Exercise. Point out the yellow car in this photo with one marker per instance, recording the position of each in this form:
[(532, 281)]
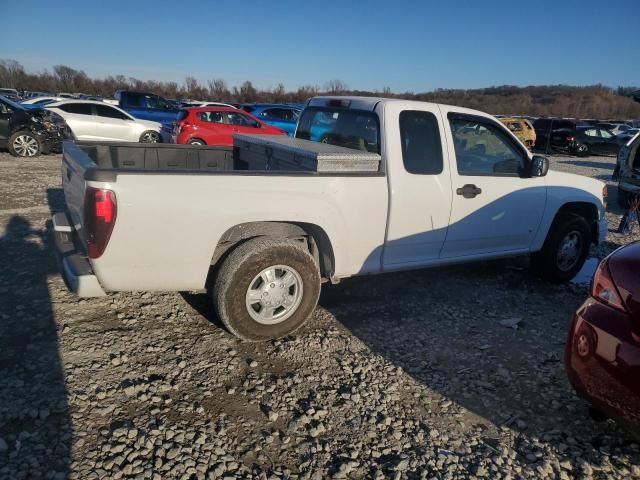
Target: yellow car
[(521, 128)]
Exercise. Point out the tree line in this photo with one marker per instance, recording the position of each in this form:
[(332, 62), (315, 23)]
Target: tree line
[(596, 101)]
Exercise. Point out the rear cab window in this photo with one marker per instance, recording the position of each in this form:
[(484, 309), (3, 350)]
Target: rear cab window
[(349, 128), (421, 143)]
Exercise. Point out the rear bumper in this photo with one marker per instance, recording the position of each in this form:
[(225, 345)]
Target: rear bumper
[(75, 267)]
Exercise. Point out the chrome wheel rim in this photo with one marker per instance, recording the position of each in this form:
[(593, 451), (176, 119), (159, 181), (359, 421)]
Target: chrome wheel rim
[(25, 146), (582, 148), (569, 251), (274, 294), (196, 142), (150, 137)]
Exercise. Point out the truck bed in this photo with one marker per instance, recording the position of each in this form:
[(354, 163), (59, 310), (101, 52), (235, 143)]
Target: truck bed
[(154, 157)]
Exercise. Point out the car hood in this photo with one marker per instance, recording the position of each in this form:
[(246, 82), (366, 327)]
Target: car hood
[(149, 125)]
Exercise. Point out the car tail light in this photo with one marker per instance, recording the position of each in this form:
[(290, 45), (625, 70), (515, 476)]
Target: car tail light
[(571, 139), (99, 218), (603, 288), (605, 197)]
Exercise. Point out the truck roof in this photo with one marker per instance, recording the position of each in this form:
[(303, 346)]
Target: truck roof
[(370, 103)]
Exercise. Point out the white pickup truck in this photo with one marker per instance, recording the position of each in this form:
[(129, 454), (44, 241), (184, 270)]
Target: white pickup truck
[(453, 185)]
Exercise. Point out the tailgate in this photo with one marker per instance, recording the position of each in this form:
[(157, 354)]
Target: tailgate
[(75, 162)]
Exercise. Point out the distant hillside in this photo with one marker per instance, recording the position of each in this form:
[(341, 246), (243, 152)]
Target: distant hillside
[(553, 100), (558, 100)]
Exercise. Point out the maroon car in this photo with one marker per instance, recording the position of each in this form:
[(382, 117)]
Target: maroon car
[(602, 357)]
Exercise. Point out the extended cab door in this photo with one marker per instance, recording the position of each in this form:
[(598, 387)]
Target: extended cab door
[(419, 184), (496, 208)]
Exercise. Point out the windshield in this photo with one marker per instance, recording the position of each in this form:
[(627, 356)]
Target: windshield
[(354, 129), (12, 104)]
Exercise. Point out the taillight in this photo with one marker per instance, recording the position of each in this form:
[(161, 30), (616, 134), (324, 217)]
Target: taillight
[(603, 288), (605, 197), (99, 218), (571, 139)]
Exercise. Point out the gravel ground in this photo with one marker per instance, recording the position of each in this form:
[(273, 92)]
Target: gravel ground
[(408, 375)]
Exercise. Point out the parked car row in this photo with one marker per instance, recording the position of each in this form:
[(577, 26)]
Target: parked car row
[(581, 137)]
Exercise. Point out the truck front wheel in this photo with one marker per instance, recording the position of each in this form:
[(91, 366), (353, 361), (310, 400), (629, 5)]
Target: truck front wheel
[(565, 249), (266, 288)]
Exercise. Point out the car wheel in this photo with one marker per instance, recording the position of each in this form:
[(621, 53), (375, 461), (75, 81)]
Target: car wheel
[(196, 141), (582, 150), (150, 136), (24, 144), (564, 251), (266, 288)]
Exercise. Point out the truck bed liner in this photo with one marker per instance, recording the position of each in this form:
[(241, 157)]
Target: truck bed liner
[(140, 156)]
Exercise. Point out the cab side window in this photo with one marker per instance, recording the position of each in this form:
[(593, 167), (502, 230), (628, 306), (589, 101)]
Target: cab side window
[(483, 149)]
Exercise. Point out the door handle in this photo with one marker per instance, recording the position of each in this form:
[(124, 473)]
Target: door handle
[(469, 191)]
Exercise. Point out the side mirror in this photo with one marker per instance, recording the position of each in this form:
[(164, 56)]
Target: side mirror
[(539, 166)]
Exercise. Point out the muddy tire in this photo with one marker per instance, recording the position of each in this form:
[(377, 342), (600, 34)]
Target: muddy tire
[(564, 251), (266, 288), (24, 144)]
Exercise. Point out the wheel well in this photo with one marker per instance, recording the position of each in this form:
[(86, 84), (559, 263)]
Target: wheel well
[(586, 210), (314, 237)]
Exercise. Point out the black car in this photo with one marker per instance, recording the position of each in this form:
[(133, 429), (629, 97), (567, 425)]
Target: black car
[(585, 141), (545, 126), (27, 132)]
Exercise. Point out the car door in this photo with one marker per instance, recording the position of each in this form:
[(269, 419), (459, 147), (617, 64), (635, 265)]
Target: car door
[(284, 118), (495, 208), (419, 184), (5, 119), (241, 123), (608, 143), (114, 125), (214, 128), (80, 119)]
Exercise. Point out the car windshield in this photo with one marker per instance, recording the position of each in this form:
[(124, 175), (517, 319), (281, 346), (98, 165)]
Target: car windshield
[(12, 104), (354, 129)]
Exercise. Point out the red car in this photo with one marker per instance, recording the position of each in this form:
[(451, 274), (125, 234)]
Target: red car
[(216, 126), (602, 356)]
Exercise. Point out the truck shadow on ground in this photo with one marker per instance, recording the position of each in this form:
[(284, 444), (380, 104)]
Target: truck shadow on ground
[(35, 425), (442, 328)]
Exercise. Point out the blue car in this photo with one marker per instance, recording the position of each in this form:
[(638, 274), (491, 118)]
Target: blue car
[(284, 116)]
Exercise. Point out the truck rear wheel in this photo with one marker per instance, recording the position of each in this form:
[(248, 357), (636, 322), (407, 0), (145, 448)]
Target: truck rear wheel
[(565, 249), (266, 288)]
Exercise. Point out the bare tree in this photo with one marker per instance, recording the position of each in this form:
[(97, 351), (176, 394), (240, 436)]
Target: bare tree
[(336, 87)]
